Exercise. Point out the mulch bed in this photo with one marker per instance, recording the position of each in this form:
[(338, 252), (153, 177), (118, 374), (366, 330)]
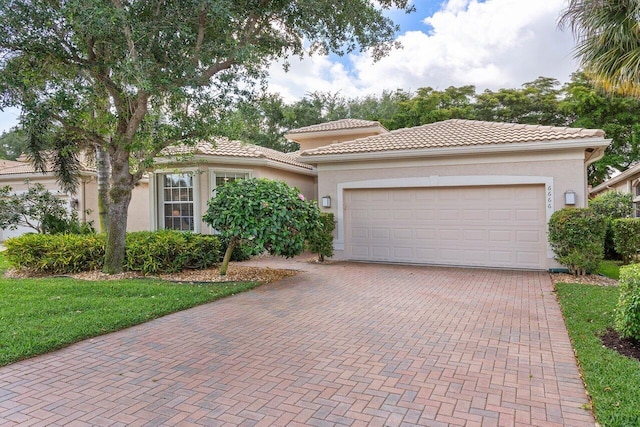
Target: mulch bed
[(625, 346), (587, 279), (235, 273)]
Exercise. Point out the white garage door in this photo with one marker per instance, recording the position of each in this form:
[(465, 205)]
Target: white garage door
[(493, 226)]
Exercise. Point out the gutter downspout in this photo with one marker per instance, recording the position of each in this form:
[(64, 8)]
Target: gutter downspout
[(591, 158)]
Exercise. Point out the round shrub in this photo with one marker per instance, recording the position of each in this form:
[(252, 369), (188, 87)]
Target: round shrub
[(577, 238), (627, 318), (626, 237), (270, 214), (611, 205)]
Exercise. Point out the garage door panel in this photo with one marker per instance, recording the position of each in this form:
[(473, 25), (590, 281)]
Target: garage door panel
[(499, 214), (450, 235), (527, 215), (527, 237), (380, 233), (475, 215), (494, 226), (475, 235)]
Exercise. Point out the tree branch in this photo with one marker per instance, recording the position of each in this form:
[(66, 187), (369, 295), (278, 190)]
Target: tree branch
[(139, 111)]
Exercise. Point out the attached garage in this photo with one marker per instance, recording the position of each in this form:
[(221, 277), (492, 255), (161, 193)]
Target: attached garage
[(456, 192), (490, 226)]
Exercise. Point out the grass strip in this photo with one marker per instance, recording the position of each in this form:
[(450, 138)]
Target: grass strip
[(41, 315), (610, 269), (612, 380)]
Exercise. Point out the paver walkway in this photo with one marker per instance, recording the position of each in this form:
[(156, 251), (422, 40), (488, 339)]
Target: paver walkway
[(341, 344)]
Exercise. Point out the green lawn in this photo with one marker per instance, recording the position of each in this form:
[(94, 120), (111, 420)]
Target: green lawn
[(613, 381), (41, 315), (610, 269)]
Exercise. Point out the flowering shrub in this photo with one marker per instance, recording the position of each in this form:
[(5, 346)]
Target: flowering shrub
[(269, 214)]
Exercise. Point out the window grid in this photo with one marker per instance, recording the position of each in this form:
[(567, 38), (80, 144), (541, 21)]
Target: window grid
[(178, 199)]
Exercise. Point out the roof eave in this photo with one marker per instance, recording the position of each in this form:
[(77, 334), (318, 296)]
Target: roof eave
[(616, 179), (232, 160), (459, 150)]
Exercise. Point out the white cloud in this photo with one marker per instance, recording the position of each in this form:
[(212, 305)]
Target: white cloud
[(490, 44)]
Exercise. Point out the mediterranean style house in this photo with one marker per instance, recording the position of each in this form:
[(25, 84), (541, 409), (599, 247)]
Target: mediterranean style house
[(457, 192)]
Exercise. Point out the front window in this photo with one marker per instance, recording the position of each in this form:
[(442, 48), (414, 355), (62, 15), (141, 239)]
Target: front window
[(178, 209), (225, 177)]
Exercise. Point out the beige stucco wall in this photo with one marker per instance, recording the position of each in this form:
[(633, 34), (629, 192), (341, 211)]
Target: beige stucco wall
[(204, 173), (305, 183), (138, 218), (565, 169)]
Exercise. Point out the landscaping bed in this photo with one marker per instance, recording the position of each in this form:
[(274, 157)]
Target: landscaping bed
[(235, 273)]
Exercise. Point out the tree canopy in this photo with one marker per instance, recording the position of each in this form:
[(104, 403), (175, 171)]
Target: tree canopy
[(607, 42), (543, 101), (133, 77)]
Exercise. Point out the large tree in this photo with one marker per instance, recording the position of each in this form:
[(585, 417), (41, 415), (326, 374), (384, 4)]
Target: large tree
[(607, 33), (585, 106), (132, 77)]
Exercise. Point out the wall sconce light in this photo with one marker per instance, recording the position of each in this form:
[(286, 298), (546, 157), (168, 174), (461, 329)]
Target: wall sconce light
[(75, 203), (569, 197), (326, 201)]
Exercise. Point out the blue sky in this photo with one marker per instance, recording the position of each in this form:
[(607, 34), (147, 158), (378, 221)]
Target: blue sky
[(487, 43)]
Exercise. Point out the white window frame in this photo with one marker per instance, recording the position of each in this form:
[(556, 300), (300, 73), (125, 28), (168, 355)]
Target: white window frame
[(157, 193), (215, 172)]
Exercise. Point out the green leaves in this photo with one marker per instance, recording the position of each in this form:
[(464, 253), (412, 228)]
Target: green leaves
[(627, 319), (269, 214), (33, 208), (577, 238)]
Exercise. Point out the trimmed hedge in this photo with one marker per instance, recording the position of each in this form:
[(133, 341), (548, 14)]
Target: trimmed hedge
[(169, 251), (627, 318), (612, 205), (56, 253), (626, 237), (146, 252), (577, 238)]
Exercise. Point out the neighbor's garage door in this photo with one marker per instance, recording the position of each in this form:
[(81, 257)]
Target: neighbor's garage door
[(494, 226)]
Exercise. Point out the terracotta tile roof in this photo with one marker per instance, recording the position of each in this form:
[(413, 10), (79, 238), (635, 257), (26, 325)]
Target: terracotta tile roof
[(337, 125), (226, 148), (24, 166), (455, 133)]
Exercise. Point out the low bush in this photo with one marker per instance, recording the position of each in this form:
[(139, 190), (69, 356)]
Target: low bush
[(577, 238), (169, 251), (611, 205), (626, 237), (56, 253), (627, 318), (146, 252), (321, 239)]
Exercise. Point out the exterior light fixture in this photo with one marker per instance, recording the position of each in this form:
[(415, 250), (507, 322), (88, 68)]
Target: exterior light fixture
[(570, 197), (326, 201)]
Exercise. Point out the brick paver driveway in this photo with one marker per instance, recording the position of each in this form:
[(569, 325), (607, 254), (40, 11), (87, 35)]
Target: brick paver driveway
[(341, 344)]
